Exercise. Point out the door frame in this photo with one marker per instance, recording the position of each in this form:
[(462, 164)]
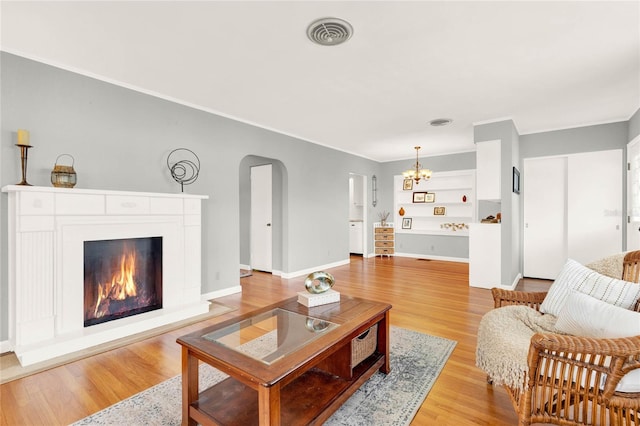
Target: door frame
[(633, 226), (365, 204)]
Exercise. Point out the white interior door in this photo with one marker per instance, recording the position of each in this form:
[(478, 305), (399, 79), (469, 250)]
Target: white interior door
[(545, 238), (633, 195), (261, 218), (594, 199)]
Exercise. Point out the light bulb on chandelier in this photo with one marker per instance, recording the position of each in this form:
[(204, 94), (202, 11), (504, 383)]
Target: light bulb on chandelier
[(417, 173)]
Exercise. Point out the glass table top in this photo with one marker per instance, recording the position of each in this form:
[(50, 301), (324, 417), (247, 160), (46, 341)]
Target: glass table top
[(269, 336)]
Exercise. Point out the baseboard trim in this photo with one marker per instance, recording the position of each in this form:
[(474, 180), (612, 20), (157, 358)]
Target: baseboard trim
[(431, 257), (221, 293), (5, 346), (288, 275), (515, 281)]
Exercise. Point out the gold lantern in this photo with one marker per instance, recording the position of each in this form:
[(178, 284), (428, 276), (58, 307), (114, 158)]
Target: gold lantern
[(63, 176)]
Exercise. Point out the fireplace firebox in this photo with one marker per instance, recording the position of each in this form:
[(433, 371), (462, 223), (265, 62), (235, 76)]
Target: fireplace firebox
[(122, 278)]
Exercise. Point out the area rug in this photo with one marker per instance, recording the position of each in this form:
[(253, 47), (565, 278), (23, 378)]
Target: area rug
[(394, 399)]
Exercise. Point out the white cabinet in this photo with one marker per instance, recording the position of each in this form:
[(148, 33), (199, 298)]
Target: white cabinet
[(443, 205), (355, 238), (357, 190), (488, 179), (484, 255)]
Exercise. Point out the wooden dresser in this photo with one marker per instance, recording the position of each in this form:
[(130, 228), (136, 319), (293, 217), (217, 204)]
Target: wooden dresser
[(384, 239)]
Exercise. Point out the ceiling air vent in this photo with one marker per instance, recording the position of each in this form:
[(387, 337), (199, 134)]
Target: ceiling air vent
[(329, 31), (440, 121)]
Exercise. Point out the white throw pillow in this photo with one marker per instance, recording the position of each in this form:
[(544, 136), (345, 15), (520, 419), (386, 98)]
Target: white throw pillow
[(575, 276), (586, 316)]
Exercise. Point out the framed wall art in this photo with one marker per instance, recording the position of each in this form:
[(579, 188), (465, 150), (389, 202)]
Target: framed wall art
[(406, 223), (407, 184), (439, 211), (429, 197), (419, 197)]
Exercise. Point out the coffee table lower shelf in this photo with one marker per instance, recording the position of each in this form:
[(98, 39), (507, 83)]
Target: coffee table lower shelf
[(310, 399)]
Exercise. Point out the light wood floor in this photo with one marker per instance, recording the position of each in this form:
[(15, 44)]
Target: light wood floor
[(428, 296)]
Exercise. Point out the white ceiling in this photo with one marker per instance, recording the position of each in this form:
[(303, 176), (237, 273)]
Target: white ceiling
[(546, 65)]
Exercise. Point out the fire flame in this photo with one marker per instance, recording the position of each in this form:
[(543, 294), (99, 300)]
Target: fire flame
[(122, 284)]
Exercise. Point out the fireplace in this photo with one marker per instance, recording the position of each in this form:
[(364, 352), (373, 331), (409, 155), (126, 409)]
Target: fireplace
[(53, 311), (122, 278)]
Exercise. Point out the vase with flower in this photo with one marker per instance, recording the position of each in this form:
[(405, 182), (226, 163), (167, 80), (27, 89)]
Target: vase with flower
[(383, 216)]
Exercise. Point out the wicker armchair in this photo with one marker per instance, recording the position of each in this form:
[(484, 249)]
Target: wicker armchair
[(552, 394)]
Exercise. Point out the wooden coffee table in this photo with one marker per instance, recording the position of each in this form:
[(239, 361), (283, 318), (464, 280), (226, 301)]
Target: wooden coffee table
[(288, 364)]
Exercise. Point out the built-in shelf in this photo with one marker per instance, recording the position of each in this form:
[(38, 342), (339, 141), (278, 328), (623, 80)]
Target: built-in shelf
[(454, 191)]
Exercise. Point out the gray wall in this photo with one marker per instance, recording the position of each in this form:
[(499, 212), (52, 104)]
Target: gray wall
[(570, 141), (120, 140), (428, 245)]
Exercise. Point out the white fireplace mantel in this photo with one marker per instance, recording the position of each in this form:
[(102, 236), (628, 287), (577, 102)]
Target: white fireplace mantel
[(46, 231)]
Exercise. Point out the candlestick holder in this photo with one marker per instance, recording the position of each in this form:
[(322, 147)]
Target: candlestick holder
[(24, 149)]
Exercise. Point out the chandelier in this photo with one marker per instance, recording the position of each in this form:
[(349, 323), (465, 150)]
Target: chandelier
[(417, 172)]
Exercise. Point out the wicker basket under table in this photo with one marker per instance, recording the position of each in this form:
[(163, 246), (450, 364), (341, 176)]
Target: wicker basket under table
[(364, 345)]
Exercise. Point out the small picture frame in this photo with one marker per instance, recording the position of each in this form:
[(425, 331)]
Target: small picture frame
[(419, 197), (516, 181), (406, 223), (439, 211), (407, 184), (430, 197)]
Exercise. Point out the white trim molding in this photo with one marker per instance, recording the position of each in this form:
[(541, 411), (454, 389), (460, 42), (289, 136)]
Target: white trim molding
[(221, 293), (288, 275), (431, 257)]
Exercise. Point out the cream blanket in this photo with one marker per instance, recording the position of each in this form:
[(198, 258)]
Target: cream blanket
[(503, 342), (505, 333), (610, 266)]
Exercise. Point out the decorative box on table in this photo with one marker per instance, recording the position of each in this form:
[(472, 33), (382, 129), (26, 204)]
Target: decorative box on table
[(310, 300)]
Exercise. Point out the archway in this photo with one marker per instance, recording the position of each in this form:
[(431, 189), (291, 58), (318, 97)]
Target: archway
[(279, 212)]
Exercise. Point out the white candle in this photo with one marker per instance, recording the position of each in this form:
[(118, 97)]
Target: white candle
[(23, 137)]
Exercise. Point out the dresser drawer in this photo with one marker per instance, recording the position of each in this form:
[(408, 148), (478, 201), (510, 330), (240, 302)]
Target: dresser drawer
[(384, 250), (381, 237), (384, 230), (384, 243)]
